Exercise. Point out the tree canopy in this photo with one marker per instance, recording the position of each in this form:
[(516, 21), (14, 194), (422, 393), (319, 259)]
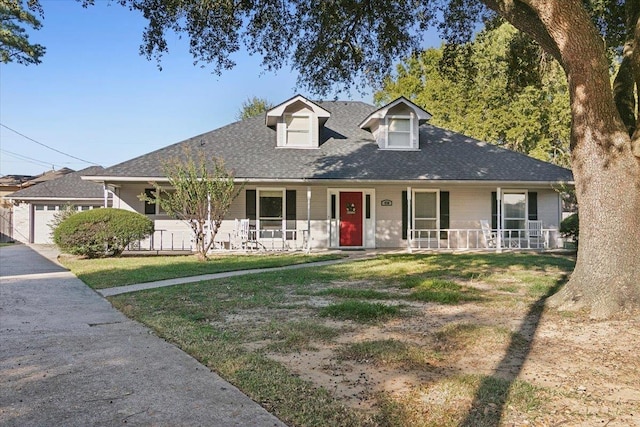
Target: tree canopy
[(14, 40), (253, 107), (486, 98)]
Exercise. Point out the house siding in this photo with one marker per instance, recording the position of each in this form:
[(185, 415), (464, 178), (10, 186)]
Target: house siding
[(468, 205)]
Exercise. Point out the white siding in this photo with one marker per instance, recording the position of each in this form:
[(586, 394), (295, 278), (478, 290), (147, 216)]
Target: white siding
[(468, 205), (389, 218)]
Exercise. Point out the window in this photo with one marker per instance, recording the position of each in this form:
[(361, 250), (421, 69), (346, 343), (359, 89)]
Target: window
[(298, 130), (515, 211), (399, 132), (425, 213), (271, 206), (151, 208)]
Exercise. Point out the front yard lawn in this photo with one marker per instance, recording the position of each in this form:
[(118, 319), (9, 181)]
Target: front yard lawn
[(405, 340), (110, 272)]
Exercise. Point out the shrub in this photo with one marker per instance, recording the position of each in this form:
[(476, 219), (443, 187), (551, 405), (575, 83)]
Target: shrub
[(570, 227), (101, 232), (65, 212)]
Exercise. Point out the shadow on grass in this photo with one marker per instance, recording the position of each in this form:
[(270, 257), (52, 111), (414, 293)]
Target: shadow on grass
[(491, 396)]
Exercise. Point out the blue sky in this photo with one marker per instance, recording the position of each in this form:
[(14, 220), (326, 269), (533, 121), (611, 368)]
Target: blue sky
[(97, 99)]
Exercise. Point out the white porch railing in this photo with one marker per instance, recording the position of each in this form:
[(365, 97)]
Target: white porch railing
[(164, 240), (473, 238)]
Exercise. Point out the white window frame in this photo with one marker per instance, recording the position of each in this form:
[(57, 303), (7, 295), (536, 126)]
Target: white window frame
[(283, 214), (388, 120), (308, 130), (525, 218), (413, 209)]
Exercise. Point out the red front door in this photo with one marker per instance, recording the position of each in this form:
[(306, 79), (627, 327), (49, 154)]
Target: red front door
[(351, 219)]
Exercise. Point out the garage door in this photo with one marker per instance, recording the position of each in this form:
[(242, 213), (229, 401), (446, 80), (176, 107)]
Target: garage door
[(42, 217)]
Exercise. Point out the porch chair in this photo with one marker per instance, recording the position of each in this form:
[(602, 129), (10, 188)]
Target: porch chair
[(535, 234), (240, 236), (488, 234)]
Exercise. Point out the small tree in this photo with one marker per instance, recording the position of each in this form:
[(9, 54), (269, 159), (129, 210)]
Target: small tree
[(199, 193)]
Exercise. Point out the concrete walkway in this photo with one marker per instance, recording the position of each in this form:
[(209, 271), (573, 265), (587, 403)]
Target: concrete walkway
[(182, 280), (67, 357)]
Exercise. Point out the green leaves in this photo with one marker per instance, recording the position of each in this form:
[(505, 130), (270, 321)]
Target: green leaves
[(486, 91), (14, 40)]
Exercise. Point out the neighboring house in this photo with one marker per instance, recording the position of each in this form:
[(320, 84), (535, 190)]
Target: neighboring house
[(350, 175), (35, 206), (9, 184)]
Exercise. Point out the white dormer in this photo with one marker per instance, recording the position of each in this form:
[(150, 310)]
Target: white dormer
[(395, 126), (297, 122)]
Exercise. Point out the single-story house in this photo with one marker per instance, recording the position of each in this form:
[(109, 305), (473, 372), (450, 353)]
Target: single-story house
[(350, 175), (35, 206)]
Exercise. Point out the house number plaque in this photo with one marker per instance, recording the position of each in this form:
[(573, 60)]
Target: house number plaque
[(386, 202)]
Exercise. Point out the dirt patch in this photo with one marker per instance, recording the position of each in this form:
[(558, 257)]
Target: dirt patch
[(588, 373)]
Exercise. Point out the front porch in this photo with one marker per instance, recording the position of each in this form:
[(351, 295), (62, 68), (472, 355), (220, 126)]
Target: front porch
[(272, 240)]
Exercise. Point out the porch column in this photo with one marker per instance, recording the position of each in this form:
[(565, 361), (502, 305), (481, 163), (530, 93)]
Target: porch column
[(499, 220), (409, 228), (308, 248), (106, 195)]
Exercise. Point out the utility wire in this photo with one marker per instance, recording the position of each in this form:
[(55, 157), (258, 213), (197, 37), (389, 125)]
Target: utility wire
[(29, 159), (44, 145)]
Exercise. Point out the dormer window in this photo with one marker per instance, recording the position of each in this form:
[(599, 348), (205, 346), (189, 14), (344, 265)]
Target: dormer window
[(396, 125), (399, 133), (297, 123), (298, 129)]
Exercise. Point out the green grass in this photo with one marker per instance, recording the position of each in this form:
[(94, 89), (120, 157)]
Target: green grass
[(442, 291), (358, 293), (389, 352), (240, 326), (3, 244), (360, 311), (111, 272)]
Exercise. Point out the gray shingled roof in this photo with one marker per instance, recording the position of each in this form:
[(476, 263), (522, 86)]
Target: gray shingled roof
[(69, 186), (347, 152)]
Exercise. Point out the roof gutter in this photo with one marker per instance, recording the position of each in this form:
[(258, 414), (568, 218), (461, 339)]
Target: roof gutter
[(308, 181)]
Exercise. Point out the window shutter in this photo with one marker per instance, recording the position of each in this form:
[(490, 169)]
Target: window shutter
[(405, 209), (291, 205), (149, 207), (251, 204), (533, 206), (444, 213), (444, 210), (494, 210)]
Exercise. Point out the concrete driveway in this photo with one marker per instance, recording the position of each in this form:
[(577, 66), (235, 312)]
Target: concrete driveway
[(67, 357)]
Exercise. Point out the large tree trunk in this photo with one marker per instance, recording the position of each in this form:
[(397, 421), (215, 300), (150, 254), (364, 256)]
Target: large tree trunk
[(606, 279)]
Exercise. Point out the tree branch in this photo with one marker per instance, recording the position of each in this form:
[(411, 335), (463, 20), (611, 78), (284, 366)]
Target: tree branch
[(524, 18)]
